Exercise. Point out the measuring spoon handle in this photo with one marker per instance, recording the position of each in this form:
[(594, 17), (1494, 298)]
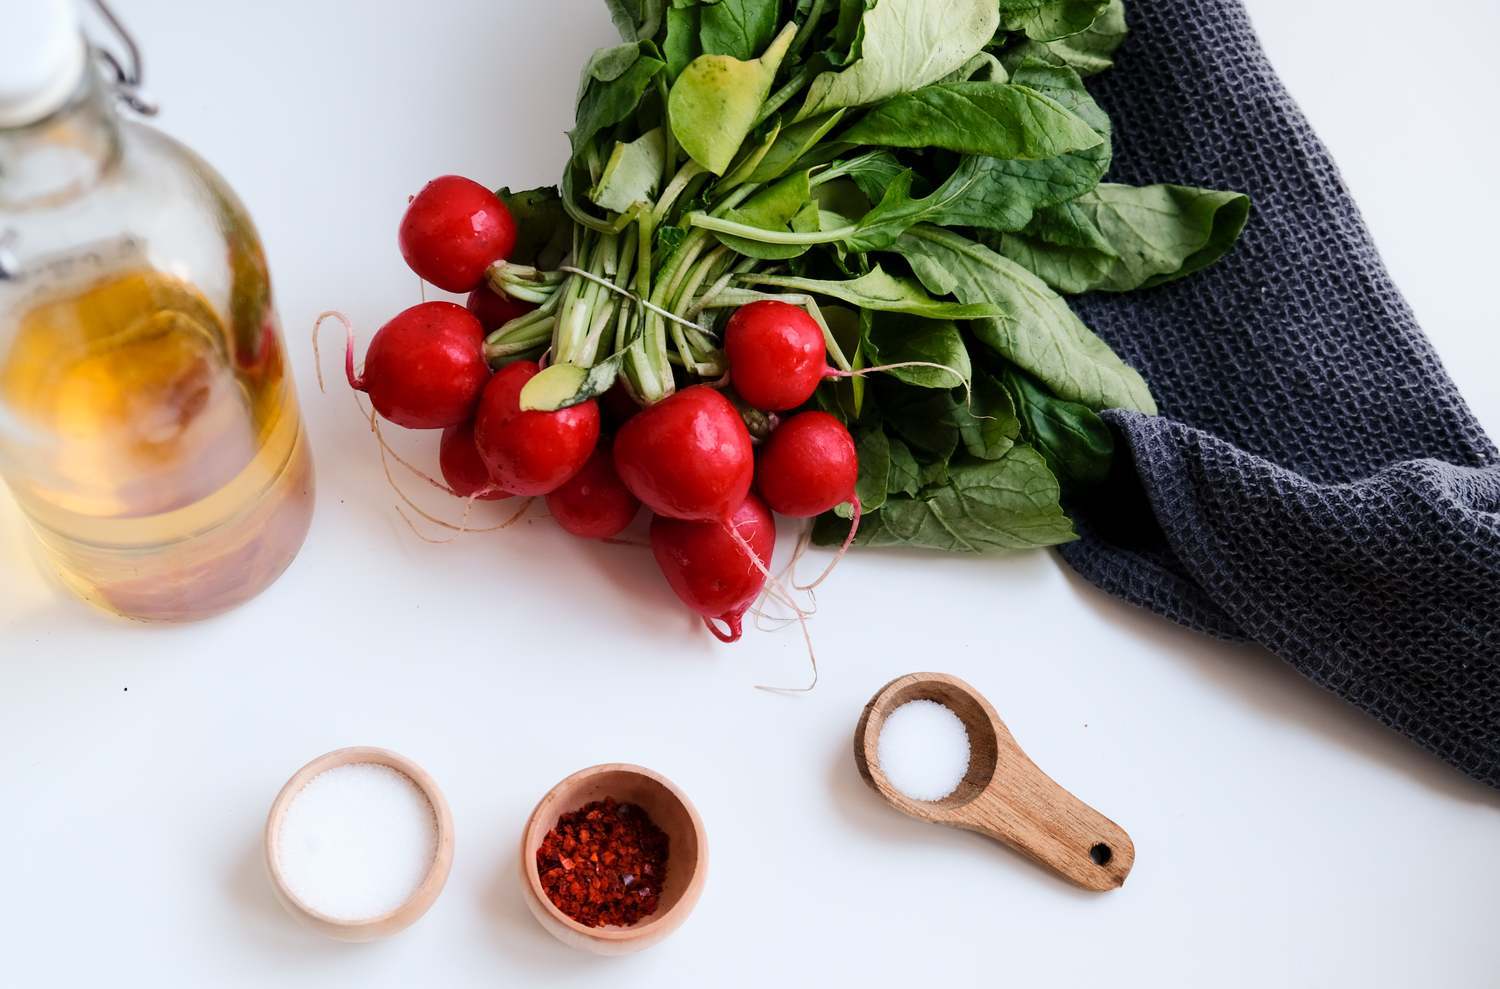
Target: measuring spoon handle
[(1026, 809)]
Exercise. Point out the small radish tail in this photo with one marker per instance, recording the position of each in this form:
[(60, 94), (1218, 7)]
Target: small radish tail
[(781, 597), (839, 556), (733, 619), (388, 450), (357, 382), (769, 623), (834, 372), (418, 472), (386, 454), (463, 527), (776, 592)]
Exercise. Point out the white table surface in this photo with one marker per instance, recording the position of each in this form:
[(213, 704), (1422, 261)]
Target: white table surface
[(1283, 838)]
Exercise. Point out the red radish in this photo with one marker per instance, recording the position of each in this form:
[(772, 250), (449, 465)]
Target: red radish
[(424, 369), (494, 310), (776, 355), (453, 230), (688, 456), (594, 503), (709, 569), (463, 468), (531, 453), (808, 466)]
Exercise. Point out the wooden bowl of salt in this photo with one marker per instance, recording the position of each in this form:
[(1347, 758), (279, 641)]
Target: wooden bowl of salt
[(359, 843), (687, 855), (1001, 792)]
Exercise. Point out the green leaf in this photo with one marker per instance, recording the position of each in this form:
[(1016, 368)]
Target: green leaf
[(633, 172), (605, 103), (790, 145), (750, 157), (784, 205), (1120, 237), (905, 45), (776, 204), (895, 338), (874, 173), (933, 473), (668, 240), (981, 192), (682, 44), (713, 104), (848, 32), (544, 235), (636, 20), (1001, 120), (883, 293), (905, 471), (1077, 445), (1014, 188), (1034, 327), (992, 506), (741, 28), (874, 451), (983, 67), (1048, 20), (561, 386), (608, 64), (1088, 52), (990, 427), (925, 419), (939, 422)]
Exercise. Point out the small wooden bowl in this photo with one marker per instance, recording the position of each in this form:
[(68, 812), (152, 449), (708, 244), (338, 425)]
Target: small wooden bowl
[(1003, 794), (374, 928), (687, 855)]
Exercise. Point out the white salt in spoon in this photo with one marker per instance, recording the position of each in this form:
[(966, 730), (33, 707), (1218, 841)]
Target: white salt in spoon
[(1002, 794)]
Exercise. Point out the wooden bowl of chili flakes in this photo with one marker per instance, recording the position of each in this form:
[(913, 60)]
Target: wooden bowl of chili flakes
[(613, 859)]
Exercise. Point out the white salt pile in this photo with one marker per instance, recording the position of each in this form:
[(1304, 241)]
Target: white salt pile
[(357, 841), (924, 750)]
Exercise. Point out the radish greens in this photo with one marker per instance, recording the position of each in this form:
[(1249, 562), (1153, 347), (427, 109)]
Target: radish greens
[(926, 178)]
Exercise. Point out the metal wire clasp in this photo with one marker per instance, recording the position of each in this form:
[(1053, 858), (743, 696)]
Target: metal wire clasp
[(124, 75)]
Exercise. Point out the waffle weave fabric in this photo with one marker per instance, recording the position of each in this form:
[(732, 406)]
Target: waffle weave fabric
[(1315, 482)]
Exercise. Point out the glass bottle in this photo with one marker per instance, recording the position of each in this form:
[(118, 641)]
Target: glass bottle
[(149, 427)]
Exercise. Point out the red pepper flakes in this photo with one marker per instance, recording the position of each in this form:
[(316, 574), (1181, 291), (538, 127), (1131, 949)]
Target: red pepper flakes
[(604, 864)]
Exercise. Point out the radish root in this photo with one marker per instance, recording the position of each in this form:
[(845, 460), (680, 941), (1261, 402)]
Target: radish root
[(812, 653), (775, 591), (356, 382), (385, 457), (863, 371), (838, 557)]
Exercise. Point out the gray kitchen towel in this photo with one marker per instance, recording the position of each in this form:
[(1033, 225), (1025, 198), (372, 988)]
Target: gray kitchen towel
[(1315, 482)]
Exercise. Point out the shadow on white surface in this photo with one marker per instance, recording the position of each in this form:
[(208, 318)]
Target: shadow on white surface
[(263, 920), (1279, 693), (518, 937)]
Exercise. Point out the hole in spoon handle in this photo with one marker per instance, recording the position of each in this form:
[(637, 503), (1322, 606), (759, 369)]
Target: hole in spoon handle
[(1027, 810)]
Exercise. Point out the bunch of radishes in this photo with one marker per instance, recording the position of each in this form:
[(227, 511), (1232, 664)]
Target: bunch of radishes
[(689, 458)]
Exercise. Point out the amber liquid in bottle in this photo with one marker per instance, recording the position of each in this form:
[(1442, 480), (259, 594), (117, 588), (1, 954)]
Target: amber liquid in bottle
[(149, 427), (170, 477)]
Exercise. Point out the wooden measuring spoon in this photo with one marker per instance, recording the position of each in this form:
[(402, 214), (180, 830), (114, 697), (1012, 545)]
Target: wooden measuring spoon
[(1003, 794)]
